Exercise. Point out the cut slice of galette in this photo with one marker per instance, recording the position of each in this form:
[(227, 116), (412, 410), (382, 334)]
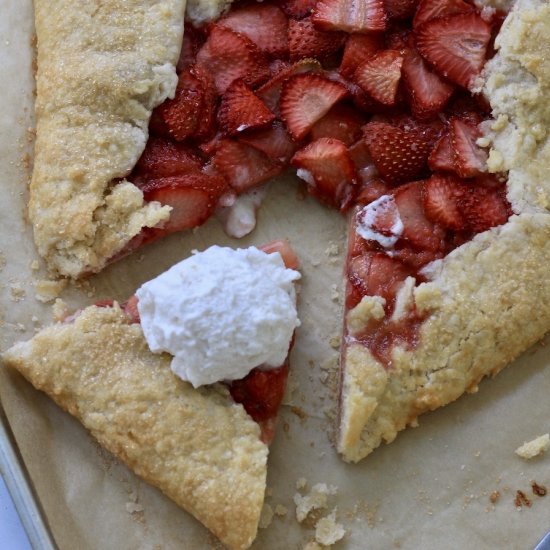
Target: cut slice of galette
[(205, 447)]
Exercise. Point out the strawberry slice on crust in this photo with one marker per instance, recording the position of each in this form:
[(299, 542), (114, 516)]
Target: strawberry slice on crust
[(427, 92), (418, 230), (193, 198), (442, 198), (350, 15), (380, 75), (434, 9), (359, 48), (342, 122), (326, 166), (241, 109), (399, 154), (270, 92), (243, 166), (484, 208), (274, 141), (297, 9), (400, 9), (263, 24), (305, 99), (164, 157), (469, 159), (306, 41), (442, 157), (455, 46), (227, 56)]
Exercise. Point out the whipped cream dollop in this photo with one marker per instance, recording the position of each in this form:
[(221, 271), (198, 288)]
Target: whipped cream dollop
[(220, 313)]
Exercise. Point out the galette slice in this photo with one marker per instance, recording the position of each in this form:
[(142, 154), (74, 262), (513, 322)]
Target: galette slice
[(206, 447)]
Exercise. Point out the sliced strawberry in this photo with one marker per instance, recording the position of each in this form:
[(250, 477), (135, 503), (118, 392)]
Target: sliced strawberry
[(484, 208), (190, 46), (415, 259), (243, 166), (400, 9), (327, 168), (342, 122), (359, 48), (371, 191), (418, 230), (270, 92), (442, 197), (350, 15), (433, 9), (306, 41), (427, 92), (364, 165), (181, 115), (399, 155), (241, 109), (381, 216), (207, 118), (282, 246), (398, 37), (442, 157), (163, 157), (455, 46), (130, 309), (260, 392), (227, 56), (264, 24), (376, 274), (297, 9), (274, 141), (305, 99), (380, 75), (430, 132), (470, 160), (190, 206)]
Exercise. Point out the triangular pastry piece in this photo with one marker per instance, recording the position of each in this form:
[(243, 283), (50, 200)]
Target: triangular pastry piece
[(205, 448)]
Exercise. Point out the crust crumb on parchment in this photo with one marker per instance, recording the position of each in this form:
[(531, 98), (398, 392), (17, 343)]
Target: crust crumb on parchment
[(49, 290), (535, 447)]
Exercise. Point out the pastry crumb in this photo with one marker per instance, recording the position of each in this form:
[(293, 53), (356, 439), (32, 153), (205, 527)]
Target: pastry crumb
[(17, 292), (35, 265), (133, 507), (535, 447), (301, 483), (48, 291), (332, 249), (494, 496), (60, 310), (312, 545), (328, 531), (316, 499), (281, 510), (266, 516)]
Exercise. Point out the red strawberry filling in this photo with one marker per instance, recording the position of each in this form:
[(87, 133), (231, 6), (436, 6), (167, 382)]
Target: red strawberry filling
[(373, 104)]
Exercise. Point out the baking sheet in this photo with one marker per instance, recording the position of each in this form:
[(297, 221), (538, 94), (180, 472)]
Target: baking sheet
[(428, 489)]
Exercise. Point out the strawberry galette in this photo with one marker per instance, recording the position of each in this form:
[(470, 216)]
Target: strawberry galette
[(422, 121)]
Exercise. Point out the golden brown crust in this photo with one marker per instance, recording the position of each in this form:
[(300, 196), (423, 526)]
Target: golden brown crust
[(198, 446), (481, 298), (480, 304), (102, 68)]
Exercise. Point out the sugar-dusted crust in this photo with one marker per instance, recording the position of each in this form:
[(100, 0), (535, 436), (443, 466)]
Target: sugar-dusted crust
[(482, 297), (518, 85), (197, 446), (488, 302), (102, 67)]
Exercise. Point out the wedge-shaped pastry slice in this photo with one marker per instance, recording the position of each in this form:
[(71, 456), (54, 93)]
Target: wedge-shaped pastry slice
[(205, 448), (197, 446)]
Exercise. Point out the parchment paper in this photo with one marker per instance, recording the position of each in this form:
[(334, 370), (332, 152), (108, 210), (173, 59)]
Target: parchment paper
[(428, 489)]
